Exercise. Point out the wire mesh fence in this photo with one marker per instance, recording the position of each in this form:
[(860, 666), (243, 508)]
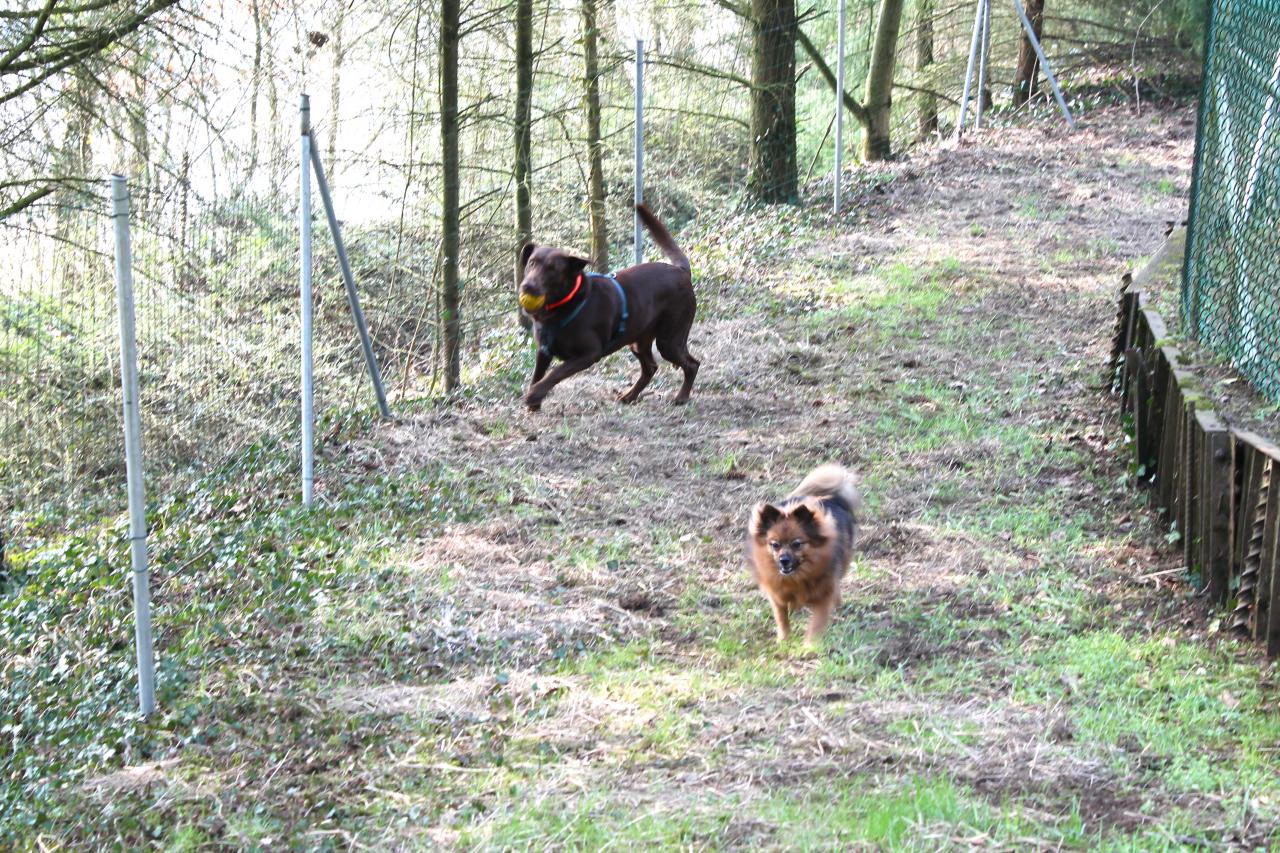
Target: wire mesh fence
[(57, 310), (1231, 294), (215, 284)]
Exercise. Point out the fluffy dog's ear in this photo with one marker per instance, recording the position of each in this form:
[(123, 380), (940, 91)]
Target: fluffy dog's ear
[(810, 521), (525, 253), (763, 517)]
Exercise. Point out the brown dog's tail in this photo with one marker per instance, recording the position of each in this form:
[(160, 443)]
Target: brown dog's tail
[(829, 481), (662, 237)]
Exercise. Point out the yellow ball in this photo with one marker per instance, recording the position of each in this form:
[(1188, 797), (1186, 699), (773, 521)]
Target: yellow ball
[(529, 302)]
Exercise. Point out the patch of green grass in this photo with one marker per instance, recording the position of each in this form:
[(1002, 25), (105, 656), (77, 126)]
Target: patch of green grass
[(948, 268), (891, 296), (1035, 206), (1095, 249), (916, 813), (1067, 256), (600, 666), (1103, 247), (921, 813), (1028, 206), (594, 821), (1197, 713), (187, 839), (1032, 520)]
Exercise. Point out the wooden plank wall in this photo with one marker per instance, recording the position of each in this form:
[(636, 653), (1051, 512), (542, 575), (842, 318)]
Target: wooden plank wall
[(1217, 486)]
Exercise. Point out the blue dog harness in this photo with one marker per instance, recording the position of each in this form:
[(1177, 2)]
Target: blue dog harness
[(549, 329)]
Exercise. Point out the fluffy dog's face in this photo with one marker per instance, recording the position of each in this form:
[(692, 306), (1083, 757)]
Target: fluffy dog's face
[(791, 535), (549, 276)]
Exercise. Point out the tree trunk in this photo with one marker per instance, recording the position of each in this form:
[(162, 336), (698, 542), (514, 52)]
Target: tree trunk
[(772, 173), (927, 104), (335, 92), (595, 147), (984, 68), (450, 214), (879, 95), (255, 88), (275, 130), (1024, 76), (75, 160), (523, 154), (140, 157)]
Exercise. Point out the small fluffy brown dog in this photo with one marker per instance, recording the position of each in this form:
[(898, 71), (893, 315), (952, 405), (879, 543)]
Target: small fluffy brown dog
[(800, 549)]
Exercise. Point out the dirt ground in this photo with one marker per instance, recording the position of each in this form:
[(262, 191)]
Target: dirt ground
[(1025, 231), (1035, 227), (583, 662)]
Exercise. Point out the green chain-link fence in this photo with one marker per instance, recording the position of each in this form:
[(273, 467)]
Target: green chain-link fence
[(1231, 285)]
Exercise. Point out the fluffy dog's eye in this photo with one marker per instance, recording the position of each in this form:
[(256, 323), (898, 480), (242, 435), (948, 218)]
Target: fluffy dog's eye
[(796, 543), (775, 545)]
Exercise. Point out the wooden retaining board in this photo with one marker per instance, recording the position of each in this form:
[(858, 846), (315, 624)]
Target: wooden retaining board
[(1213, 468), (1264, 623), (1206, 476)]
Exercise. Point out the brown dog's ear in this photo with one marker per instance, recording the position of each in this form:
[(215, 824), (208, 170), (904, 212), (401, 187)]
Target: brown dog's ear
[(574, 265), (809, 521), (525, 253), (763, 517)]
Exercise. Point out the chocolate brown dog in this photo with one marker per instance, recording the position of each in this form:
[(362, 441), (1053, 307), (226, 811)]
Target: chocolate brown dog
[(580, 317), (801, 548)]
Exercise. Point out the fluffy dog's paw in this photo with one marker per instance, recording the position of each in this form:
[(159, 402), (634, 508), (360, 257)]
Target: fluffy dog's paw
[(811, 646)]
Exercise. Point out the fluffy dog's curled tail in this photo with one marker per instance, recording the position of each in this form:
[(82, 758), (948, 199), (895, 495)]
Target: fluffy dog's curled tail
[(831, 481), (662, 237)]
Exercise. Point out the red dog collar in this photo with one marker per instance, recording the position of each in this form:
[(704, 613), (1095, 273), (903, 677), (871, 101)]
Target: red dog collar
[(572, 293)]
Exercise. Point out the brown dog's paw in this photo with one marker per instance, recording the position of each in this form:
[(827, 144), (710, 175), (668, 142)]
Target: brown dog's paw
[(534, 404), (628, 398)]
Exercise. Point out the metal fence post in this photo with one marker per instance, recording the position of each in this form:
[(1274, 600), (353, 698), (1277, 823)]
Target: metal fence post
[(353, 297), (968, 71), (1044, 64), (308, 378), (133, 447), (639, 146), (839, 108)]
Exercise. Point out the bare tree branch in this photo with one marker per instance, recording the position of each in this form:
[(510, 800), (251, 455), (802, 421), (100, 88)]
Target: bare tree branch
[(25, 202), (25, 44), (699, 69), (59, 57), (858, 111), (19, 14)]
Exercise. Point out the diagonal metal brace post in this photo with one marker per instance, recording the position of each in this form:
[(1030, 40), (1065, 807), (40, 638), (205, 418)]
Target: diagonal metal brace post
[(968, 72), (1044, 63), (375, 375)]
